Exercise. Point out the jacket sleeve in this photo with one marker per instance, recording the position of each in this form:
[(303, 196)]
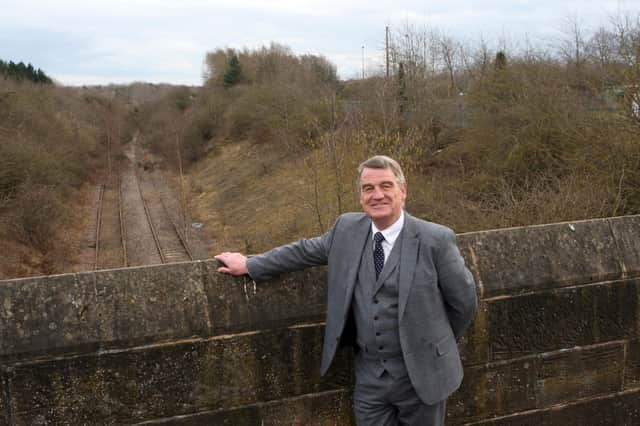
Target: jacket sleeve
[(291, 257), (456, 284)]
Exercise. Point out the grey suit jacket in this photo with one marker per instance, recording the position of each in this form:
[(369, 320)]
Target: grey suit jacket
[(436, 301)]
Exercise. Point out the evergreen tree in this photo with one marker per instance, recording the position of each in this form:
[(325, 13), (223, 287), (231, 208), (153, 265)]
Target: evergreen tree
[(500, 62), (22, 71), (233, 72)]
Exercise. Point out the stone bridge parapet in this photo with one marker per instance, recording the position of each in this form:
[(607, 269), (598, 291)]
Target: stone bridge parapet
[(556, 340)]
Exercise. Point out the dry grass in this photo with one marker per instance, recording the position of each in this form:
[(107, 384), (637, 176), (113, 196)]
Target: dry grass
[(253, 197)]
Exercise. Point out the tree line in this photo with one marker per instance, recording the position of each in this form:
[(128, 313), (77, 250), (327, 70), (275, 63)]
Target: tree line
[(492, 134), (23, 72)]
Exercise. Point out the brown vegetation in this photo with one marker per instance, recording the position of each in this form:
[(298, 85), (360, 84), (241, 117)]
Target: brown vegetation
[(490, 138), (50, 144)]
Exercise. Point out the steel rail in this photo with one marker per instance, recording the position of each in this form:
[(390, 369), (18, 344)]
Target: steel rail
[(123, 234), (175, 227), (98, 225), (154, 234)]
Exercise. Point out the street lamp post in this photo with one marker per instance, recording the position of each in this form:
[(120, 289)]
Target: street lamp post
[(363, 62)]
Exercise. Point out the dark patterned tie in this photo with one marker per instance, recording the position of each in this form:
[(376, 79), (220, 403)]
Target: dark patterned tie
[(378, 253)]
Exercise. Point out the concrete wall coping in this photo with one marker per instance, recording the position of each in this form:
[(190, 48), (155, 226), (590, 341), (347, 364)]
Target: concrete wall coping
[(89, 311)]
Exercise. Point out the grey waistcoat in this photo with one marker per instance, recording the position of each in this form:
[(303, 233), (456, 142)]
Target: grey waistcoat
[(375, 310)]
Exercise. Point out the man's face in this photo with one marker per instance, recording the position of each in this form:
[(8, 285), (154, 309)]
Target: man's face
[(381, 196)]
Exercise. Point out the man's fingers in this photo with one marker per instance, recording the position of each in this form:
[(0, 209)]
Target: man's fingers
[(232, 263)]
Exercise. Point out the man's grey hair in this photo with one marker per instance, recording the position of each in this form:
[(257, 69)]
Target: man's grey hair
[(382, 162)]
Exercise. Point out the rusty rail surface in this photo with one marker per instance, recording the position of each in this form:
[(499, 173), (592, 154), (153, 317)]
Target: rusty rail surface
[(182, 238), (111, 176), (98, 227), (154, 234)]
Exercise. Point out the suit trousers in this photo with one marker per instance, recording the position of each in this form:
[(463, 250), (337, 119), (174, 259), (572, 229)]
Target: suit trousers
[(390, 401)]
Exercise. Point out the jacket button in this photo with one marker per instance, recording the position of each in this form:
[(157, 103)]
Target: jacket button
[(375, 318), (377, 333), (375, 301), (380, 347)]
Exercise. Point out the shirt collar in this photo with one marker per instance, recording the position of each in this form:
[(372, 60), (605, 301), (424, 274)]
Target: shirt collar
[(391, 233)]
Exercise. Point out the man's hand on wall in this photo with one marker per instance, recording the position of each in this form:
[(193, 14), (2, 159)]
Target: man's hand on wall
[(234, 263)]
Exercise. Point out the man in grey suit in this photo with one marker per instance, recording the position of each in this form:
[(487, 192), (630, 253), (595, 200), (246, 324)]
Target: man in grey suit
[(401, 284)]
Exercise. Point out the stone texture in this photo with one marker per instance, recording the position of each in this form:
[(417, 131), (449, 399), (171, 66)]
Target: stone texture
[(619, 409), (573, 374), (506, 387), (171, 380), (494, 389), (626, 231), (554, 342), (4, 408), (632, 367), (153, 304), (562, 318), (112, 308), (516, 260), (237, 304), (328, 408), (48, 314)]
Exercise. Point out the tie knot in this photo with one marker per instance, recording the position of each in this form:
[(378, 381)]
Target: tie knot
[(378, 237)]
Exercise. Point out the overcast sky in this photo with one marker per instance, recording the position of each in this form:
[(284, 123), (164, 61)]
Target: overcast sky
[(98, 42)]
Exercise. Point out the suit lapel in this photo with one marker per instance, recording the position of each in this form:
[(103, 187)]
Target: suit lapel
[(356, 244), (408, 262)]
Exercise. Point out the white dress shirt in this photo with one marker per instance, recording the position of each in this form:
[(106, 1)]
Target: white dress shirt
[(390, 234)]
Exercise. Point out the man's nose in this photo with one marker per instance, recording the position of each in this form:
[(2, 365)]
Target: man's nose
[(377, 193)]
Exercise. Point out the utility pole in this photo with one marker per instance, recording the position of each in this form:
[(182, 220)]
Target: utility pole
[(387, 49), (363, 62)]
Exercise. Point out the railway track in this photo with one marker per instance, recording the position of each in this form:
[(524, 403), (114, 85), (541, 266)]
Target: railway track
[(155, 236), (170, 242), (111, 249)]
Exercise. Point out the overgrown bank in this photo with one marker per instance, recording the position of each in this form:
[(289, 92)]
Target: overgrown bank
[(52, 143), (490, 138)]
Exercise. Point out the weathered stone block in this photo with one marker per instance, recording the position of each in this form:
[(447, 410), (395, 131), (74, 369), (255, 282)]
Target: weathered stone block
[(327, 408), (534, 382), (494, 389), (151, 304), (632, 367), (616, 409), (626, 231), (176, 379), (238, 304), (120, 307), (48, 314), (562, 318), (474, 344), (4, 398), (569, 375), (516, 260)]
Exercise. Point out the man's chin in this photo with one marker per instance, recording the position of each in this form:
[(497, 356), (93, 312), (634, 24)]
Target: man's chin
[(378, 216)]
